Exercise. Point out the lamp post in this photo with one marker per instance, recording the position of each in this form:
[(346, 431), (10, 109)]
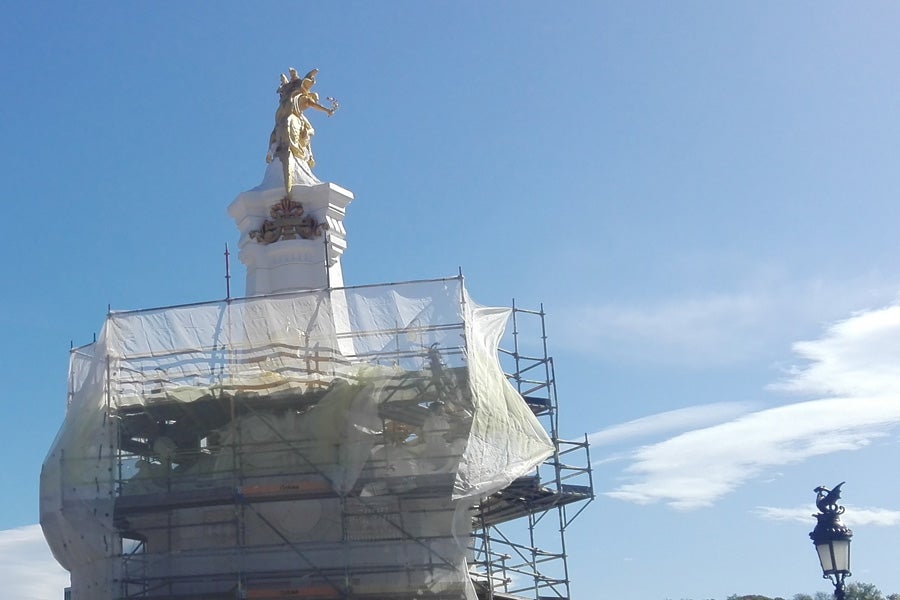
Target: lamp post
[(832, 538)]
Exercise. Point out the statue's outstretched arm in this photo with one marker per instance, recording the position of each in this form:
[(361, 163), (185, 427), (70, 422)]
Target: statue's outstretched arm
[(326, 110)]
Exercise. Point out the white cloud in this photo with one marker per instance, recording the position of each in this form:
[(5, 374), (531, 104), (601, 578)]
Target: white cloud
[(855, 358), (679, 419), (855, 515), (697, 468), (750, 322), (27, 569)]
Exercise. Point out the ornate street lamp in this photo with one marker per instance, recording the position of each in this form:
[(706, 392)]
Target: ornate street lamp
[(832, 538)]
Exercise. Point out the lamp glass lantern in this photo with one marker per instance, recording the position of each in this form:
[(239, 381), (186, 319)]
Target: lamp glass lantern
[(834, 555)]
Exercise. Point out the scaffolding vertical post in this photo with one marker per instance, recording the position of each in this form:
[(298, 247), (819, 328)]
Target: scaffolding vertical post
[(488, 559), (227, 274), (108, 426), (515, 333)]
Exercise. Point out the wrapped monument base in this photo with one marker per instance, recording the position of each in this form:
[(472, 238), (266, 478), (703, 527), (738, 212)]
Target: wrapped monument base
[(324, 444)]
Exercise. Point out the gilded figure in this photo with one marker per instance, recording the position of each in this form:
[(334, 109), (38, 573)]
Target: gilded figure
[(290, 139)]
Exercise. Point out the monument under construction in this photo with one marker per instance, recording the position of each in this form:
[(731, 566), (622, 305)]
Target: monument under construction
[(313, 440)]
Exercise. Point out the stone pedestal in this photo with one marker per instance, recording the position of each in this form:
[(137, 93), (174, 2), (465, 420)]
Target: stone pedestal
[(291, 243)]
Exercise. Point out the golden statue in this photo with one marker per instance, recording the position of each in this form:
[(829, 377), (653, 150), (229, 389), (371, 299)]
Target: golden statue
[(290, 139)]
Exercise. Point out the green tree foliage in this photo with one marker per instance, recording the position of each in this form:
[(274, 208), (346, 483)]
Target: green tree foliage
[(862, 591), (856, 590)]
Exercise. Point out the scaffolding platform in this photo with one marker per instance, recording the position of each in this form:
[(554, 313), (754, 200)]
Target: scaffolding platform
[(526, 495)]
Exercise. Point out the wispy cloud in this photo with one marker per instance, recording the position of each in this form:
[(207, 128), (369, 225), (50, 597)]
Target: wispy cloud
[(27, 569), (749, 322), (855, 516), (673, 420), (684, 472), (853, 358), (692, 332)]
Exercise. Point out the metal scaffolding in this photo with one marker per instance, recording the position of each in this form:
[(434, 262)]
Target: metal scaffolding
[(375, 451), (520, 536)]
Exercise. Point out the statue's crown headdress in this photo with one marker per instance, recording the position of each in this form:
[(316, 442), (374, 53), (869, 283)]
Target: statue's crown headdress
[(288, 86)]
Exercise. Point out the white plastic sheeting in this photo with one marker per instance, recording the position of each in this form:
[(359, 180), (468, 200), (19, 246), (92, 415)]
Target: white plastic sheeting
[(322, 442)]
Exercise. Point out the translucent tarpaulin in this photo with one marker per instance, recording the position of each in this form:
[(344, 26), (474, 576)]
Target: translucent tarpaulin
[(328, 443)]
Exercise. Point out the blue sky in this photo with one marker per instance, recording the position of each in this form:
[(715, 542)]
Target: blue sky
[(704, 196)]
